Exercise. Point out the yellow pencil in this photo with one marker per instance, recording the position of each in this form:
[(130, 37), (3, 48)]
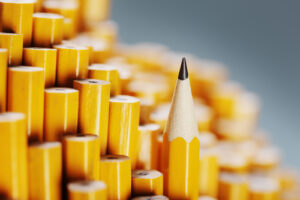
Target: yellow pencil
[(123, 126), (60, 113), (233, 187), (115, 171), (42, 57), (107, 73), (16, 17), (13, 42), (25, 93), (147, 182), (45, 171), (148, 146), (72, 63), (264, 188), (13, 156), (87, 190), (180, 143), (94, 108), (47, 29), (209, 165), (81, 154)]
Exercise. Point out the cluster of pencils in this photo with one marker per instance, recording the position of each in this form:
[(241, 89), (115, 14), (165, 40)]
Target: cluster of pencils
[(84, 117)]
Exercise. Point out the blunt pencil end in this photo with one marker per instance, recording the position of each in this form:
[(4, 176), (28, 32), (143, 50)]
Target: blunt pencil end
[(183, 73)]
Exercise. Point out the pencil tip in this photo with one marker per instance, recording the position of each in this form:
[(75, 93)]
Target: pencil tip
[(183, 73)]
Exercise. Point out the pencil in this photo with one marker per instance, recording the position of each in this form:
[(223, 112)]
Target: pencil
[(25, 94), (148, 146), (233, 186), (45, 178), (13, 42), (93, 111), (146, 182), (16, 17), (123, 135), (72, 63), (263, 188), (209, 165), (60, 113), (68, 9), (107, 73), (81, 154), (47, 29), (180, 149), (115, 171), (13, 156), (88, 190), (42, 57)]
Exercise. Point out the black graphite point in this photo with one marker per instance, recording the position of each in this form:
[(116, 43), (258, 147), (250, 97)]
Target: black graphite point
[(183, 73)]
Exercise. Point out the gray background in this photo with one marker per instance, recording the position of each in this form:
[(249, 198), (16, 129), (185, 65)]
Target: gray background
[(257, 39)]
